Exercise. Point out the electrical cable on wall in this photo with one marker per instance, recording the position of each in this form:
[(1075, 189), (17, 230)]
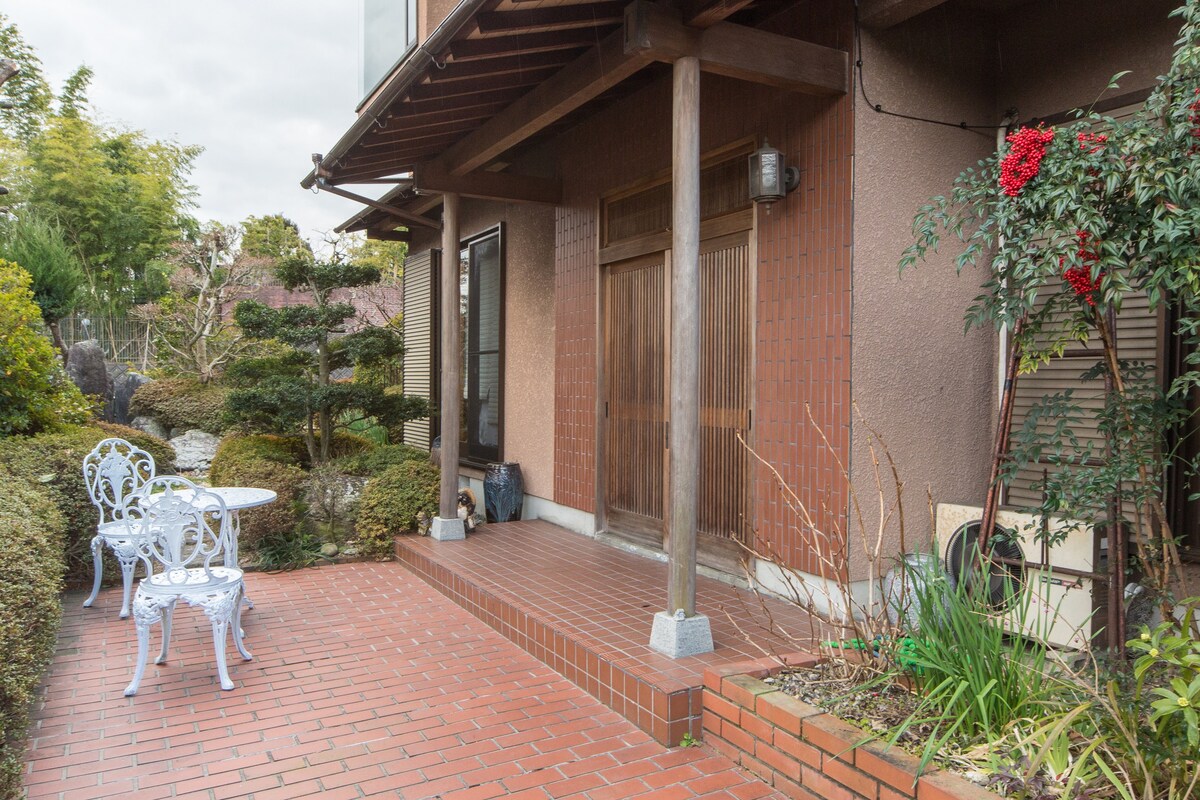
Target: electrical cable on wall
[(878, 107)]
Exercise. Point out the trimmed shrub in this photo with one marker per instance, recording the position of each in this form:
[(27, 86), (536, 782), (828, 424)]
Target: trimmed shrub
[(31, 575), (54, 463), (35, 393), (346, 445), (266, 462), (372, 462), (182, 403), (390, 503), (240, 447)]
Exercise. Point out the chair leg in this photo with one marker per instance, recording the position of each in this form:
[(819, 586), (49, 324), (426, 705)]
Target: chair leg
[(142, 624), (220, 631), (97, 561), (127, 555), (167, 614), (239, 635)]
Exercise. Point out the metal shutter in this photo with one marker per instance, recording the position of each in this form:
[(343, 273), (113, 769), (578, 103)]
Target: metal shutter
[(418, 341)]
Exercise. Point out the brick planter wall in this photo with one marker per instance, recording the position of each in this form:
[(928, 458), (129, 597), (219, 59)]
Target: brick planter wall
[(806, 753)]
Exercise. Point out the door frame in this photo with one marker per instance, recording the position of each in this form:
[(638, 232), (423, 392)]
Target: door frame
[(715, 234)]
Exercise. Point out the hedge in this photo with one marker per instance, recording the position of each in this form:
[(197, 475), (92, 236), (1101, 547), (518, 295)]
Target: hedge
[(32, 531), (390, 503), (373, 462), (54, 462), (182, 403), (264, 461)]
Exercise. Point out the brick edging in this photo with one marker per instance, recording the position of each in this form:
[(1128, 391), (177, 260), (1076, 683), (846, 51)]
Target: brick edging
[(805, 752)]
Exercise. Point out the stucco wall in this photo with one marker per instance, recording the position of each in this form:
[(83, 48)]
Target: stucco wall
[(528, 330), (1054, 57), (928, 389)]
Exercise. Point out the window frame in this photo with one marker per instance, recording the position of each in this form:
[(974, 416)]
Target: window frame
[(468, 455)]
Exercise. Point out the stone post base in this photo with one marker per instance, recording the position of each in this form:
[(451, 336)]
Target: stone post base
[(677, 636), (448, 530)]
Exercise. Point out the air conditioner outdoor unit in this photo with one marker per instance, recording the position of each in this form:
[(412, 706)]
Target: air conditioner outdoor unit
[(1064, 609)]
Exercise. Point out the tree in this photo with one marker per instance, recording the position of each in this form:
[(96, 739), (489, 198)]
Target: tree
[(35, 394), (120, 198), (273, 237), (1075, 218), (38, 246), (28, 90), (387, 257), (194, 329), (295, 390)]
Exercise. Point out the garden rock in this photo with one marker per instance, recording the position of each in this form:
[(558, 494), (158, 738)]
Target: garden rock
[(151, 426), (124, 383), (87, 370), (329, 550), (194, 450)]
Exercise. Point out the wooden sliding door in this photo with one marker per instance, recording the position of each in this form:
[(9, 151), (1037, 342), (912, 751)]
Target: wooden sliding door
[(636, 350)]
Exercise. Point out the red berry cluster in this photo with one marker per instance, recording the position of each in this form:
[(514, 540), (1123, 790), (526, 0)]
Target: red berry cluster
[(1092, 143), (1080, 278), (1024, 158)]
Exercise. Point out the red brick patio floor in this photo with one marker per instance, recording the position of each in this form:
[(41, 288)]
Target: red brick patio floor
[(365, 683)]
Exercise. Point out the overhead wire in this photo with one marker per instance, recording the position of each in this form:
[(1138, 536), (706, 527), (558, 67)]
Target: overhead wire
[(878, 107)]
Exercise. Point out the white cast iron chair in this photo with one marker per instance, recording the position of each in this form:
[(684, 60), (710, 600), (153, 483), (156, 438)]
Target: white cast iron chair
[(114, 471), (185, 556)]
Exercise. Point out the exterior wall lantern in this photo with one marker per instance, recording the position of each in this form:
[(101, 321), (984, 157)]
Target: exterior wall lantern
[(770, 178)]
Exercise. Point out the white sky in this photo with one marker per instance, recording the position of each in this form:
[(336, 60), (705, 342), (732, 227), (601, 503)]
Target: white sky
[(260, 84)]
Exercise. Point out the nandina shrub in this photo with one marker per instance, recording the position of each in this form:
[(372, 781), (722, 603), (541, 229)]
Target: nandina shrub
[(31, 575), (390, 503)]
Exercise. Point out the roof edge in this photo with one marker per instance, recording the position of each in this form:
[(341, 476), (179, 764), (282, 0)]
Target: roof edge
[(405, 75)]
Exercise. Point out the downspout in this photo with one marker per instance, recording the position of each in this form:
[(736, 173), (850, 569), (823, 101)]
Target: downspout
[(410, 71)]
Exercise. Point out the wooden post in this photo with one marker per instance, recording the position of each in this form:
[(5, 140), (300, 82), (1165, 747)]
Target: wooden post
[(684, 438), (451, 359)]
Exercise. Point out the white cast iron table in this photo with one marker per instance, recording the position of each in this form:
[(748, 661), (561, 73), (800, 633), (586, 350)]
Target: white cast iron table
[(238, 498)]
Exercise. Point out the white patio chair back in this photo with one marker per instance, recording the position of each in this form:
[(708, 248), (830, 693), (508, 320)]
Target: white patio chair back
[(114, 471), (186, 542)]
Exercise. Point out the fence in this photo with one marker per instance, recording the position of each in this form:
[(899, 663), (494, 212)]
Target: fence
[(123, 340)]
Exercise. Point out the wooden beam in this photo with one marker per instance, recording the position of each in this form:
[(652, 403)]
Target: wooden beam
[(420, 136), (887, 13), (489, 185), (504, 97), (737, 51), (502, 65), (494, 83), (392, 138), (404, 119), (551, 17), (546, 41), (404, 216), (704, 13), (585, 78), (389, 236)]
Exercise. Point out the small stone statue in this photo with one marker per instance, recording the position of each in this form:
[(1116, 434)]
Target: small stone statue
[(466, 509), (423, 523)]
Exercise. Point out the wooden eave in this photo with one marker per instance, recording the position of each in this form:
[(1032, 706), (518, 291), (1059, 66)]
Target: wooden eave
[(509, 74)]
